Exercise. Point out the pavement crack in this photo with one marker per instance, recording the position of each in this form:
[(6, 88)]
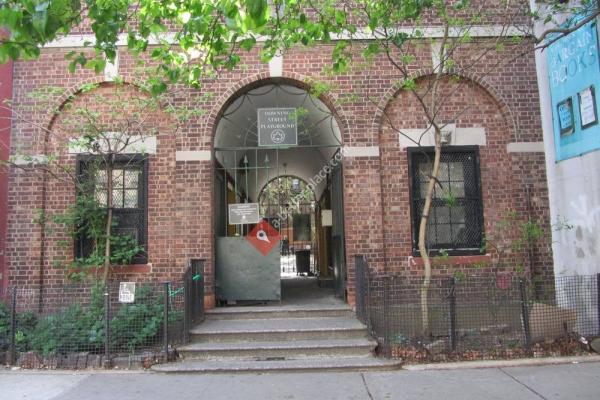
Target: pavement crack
[(366, 386), (532, 390)]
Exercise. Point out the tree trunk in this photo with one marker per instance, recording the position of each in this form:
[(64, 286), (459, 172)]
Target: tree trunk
[(422, 234), (109, 214)]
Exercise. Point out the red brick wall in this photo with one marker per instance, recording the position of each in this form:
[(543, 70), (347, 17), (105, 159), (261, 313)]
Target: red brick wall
[(505, 180), (375, 188)]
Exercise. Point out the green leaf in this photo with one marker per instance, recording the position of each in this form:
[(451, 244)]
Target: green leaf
[(248, 43)]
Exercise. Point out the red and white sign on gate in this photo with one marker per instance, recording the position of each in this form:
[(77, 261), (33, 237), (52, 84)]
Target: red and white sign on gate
[(263, 237)]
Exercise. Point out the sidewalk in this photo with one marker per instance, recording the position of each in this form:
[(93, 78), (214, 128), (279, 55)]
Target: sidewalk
[(567, 381)]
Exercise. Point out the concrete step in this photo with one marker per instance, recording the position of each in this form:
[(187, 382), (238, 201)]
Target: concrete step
[(286, 349), (283, 365), (278, 312), (278, 329)]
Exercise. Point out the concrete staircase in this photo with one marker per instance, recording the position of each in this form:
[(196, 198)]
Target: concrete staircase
[(278, 339)]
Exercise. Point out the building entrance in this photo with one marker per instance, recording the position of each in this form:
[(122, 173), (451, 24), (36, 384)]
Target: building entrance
[(278, 200)]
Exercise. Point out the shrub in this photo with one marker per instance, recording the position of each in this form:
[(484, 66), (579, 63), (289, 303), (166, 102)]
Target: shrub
[(138, 324), (73, 329), (76, 329), (4, 327), (26, 323)]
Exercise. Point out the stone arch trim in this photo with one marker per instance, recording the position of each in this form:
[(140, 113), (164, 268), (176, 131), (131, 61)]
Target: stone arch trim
[(503, 107), (331, 100)]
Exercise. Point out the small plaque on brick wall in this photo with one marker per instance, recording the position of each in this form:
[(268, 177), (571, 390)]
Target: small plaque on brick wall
[(126, 292)]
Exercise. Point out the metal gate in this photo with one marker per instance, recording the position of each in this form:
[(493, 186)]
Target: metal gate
[(289, 204), (337, 232), (268, 139)]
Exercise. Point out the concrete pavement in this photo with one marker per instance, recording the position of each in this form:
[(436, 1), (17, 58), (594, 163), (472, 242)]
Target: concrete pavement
[(567, 381)]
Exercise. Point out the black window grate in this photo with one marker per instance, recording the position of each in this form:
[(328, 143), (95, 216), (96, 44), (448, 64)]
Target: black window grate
[(130, 182), (455, 219)]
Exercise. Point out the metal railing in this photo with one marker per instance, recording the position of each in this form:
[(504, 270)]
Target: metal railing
[(482, 316), (194, 295), (84, 325)]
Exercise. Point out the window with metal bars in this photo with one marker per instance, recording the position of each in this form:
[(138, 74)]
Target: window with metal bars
[(130, 182), (456, 216)]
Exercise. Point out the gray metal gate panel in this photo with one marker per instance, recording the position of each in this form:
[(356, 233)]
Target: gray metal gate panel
[(243, 273)]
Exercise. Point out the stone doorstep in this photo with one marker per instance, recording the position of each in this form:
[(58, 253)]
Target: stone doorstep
[(297, 344), (285, 365), (217, 327), (277, 312), (285, 349)]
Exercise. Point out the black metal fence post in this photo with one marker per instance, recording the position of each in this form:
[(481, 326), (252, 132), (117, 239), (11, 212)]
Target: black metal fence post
[(13, 328), (187, 306), (166, 320), (199, 284), (107, 362), (368, 302), (387, 314), (525, 313), (452, 312), (598, 299)]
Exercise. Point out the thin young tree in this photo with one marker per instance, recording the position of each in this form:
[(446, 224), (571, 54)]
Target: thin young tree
[(110, 125)]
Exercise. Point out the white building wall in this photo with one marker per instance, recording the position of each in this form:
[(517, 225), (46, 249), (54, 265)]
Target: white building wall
[(574, 194)]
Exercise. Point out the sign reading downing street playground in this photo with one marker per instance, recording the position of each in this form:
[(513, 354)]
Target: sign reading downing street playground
[(277, 127)]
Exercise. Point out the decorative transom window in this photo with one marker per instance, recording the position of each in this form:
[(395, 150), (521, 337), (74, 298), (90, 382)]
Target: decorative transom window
[(129, 198), (456, 216)]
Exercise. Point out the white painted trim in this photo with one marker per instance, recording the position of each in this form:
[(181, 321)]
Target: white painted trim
[(276, 66), (362, 34), (86, 40), (525, 147), (436, 47), (24, 160), (437, 32), (474, 136), (193, 155), (138, 145), (111, 69), (362, 151)]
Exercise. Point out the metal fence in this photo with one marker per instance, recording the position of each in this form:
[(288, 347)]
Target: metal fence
[(481, 317), (90, 325)]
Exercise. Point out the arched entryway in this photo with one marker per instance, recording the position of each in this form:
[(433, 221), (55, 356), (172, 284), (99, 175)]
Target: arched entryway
[(278, 209)]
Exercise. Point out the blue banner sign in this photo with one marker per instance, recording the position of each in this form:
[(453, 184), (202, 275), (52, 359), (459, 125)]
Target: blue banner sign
[(574, 75)]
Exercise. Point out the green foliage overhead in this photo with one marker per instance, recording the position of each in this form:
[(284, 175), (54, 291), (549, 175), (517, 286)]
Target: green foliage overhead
[(189, 39)]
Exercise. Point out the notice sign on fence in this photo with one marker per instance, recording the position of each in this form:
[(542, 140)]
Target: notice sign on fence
[(243, 213), (277, 127), (126, 292)]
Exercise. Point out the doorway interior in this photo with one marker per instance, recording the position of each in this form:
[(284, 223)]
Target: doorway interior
[(294, 185)]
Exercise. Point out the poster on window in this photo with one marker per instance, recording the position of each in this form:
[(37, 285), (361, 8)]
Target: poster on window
[(565, 116), (587, 107)]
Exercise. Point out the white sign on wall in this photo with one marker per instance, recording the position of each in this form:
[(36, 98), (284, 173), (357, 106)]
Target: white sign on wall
[(243, 213), (126, 292)]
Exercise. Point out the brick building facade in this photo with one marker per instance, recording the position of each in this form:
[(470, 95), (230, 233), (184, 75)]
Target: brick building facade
[(498, 123)]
